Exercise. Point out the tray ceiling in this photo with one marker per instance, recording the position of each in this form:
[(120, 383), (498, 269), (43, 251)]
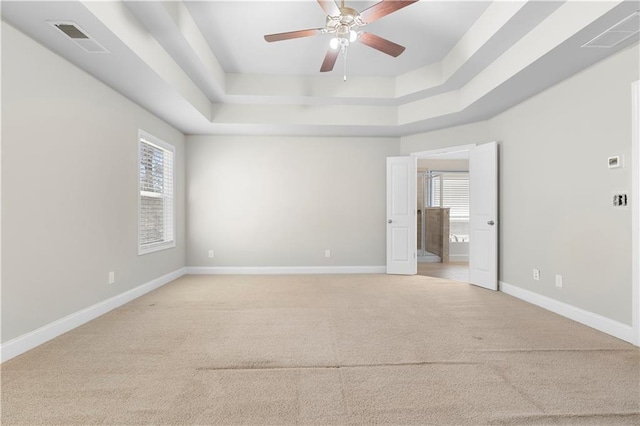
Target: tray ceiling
[(205, 68)]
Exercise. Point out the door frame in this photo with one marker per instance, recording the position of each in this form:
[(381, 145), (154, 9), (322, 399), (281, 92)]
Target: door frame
[(443, 151), (433, 154), (635, 211)]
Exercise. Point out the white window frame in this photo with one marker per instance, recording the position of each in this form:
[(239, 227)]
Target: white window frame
[(167, 244)]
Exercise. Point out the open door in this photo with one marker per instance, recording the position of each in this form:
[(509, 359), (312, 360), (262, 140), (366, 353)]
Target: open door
[(401, 216), (483, 215)]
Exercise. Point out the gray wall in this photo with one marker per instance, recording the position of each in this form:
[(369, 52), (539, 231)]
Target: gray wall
[(556, 190), (69, 191), (445, 138), (281, 201)]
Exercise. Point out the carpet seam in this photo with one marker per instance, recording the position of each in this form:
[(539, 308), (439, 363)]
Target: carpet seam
[(498, 372), (336, 367)]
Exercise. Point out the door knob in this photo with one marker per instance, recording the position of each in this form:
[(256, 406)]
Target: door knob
[(491, 223), (389, 221)]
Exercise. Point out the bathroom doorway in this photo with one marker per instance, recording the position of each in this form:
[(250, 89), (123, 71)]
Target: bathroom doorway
[(443, 216)]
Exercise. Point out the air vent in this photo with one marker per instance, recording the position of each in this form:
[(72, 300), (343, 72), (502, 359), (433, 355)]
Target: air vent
[(71, 30), (621, 31), (79, 36)]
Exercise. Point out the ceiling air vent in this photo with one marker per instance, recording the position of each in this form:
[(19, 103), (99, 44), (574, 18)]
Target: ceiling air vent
[(621, 31), (79, 36)]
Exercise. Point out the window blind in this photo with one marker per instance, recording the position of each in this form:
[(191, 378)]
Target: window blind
[(455, 193), (156, 204)]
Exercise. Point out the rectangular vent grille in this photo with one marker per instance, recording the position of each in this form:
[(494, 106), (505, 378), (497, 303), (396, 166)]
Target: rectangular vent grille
[(71, 30), (79, 37), (621, 31)]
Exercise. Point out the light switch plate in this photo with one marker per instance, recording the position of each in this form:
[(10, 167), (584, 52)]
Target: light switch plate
[(614, 162)]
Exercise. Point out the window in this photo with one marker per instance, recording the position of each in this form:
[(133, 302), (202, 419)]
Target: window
[(455, 195), (156, 218)]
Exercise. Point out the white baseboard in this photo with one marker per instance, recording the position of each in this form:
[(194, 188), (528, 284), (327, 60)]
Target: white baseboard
[(606, 325), (436, 259), (284, 270), (22, 344)]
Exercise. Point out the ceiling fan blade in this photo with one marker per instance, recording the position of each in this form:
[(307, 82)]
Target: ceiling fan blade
[(384, 8), (381, 44), (330, 60), (330, 7), (292, 34)]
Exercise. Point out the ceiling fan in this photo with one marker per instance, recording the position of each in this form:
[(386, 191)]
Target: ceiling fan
[(344, 23)]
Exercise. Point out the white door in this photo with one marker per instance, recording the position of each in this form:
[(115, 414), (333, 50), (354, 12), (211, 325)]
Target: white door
[(483, 221), (401, 215)]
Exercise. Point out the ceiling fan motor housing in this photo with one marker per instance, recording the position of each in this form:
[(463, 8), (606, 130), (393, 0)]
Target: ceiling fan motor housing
[(348, 20), (348, 15)]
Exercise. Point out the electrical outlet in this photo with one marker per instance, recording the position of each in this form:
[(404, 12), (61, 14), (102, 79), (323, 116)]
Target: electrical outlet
[(211, 254), (112, 277), (536, 274), (559, 281), (327, 253)]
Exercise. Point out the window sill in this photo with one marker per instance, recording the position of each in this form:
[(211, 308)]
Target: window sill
[(156, 247)]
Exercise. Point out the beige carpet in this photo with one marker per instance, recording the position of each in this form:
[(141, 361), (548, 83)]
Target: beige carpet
[(357, 349)]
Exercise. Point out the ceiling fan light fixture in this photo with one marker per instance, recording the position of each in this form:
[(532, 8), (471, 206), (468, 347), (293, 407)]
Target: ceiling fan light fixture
[(334, 43), (353, 36)]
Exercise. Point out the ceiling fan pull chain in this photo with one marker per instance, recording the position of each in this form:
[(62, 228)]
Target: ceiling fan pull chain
[(345, 63)]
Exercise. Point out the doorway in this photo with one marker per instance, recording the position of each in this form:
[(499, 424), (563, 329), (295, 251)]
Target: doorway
[(483, 212), (443, 215)]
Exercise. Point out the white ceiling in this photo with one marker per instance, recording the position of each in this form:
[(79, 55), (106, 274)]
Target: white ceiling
[(205, 68)]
